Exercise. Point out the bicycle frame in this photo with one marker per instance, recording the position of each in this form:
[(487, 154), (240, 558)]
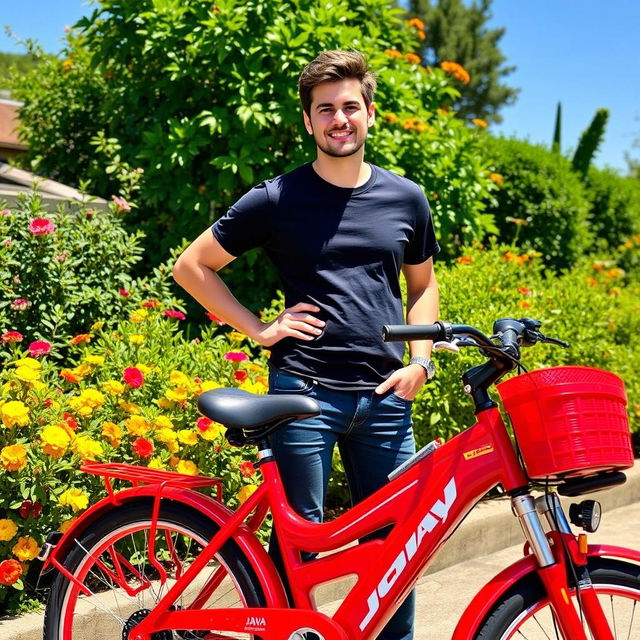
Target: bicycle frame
[(422, 506)]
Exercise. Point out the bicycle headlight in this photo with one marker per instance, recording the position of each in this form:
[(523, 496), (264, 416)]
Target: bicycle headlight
[(586, 515)]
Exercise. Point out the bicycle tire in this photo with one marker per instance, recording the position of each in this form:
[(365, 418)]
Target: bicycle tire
[(117, 531), (524, 612)]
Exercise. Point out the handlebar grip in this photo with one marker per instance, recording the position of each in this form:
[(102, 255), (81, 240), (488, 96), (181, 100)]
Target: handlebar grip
[(404, 332)]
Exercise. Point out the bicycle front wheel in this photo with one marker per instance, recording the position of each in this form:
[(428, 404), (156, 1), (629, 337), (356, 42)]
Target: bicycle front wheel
[(524, 612), (111, 558)]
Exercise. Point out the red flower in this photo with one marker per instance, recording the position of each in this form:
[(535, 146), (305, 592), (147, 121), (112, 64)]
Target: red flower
[(48, 402), (149, 303), (203, 424), (524, 291), (12, 336), (240, 376), (133, 377), (247, 469), (172, 313), (236, 356), (39, 348), (143, 447), (10, 572), (214, 318), (124, 293), (29, 508), (41, 227), (70, 420)]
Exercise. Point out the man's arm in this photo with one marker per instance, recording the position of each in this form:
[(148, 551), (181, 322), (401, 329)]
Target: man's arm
[(422, 308), (196, 272)]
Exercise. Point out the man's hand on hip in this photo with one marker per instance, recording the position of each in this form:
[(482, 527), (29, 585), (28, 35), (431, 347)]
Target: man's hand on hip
[(295, 322), (405, 382)]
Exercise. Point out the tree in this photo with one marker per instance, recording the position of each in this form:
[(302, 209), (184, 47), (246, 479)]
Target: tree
[(458, 32), (197, 102)]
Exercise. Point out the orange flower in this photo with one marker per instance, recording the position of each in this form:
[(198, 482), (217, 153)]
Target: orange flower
[(10, 572), (69, 376), (496, 177), (524, 291), (412, 58), (525, 304), (521, 259), (416, 23), (456, 70), (592, 282), (479, 122), (508, 256), (391, 118), (464, 260), (393, 53)]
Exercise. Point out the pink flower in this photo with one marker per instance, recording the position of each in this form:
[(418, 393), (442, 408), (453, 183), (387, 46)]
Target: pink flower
[(41, 227), (39, 348), (20, 304), (12, 336), (124, 293), (172, 313), (133, 377), (5, 212), (236, 356), (8, 242), (61, 257), (204, 424), (121, 204)]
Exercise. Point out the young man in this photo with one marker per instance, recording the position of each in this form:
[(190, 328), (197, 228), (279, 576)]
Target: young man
[(339, 231)]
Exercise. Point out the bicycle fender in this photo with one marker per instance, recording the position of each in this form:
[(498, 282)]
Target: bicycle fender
[(260, 561), (485, 599)]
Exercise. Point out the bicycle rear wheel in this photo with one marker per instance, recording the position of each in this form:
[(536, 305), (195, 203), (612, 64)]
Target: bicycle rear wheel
[(111, 558), (524, 612)]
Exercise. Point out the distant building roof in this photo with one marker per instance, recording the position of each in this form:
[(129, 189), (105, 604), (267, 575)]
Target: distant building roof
[(9, 124)]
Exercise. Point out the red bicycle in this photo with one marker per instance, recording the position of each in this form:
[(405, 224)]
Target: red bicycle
[(162, 561)]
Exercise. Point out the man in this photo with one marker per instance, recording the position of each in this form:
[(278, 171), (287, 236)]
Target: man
[(338, 231)]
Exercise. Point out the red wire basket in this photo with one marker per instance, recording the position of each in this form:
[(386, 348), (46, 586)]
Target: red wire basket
[(569, 421)]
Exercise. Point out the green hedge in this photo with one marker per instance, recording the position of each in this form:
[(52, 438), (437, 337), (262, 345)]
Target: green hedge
[(541, 204)]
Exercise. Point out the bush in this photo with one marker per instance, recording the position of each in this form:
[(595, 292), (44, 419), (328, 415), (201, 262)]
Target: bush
[(127, 395), (205, 93), (615, 207), (541, 204)]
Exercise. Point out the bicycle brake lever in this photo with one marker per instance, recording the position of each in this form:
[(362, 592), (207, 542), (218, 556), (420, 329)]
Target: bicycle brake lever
[(443, 345), (560, 343)]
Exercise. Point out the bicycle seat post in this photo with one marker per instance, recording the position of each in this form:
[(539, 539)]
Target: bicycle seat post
[(265, 454)]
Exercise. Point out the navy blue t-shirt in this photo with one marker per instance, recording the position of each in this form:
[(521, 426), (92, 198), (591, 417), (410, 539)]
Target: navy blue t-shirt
[(342, 250)]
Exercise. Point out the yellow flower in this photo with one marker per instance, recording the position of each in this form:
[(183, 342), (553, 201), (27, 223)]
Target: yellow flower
[(27, 374), (162, 422), (136, 338), (8, 529), (55, 440), (14, 413), (178, 379), (87, 402), (176, 395), (236, 335), (96, 326), (188, 437), (74, 498), (112, 432), (138, 316), (87, 448), (214, 431), (164, 403), (479, 122), (167, 437), (252, 366), (94, 360), (145, 368), (67, 524), (25, 549), (13, 457), (245, 492), (155, 463), (187, 467), (81, 370), (391, 118), (32, 363), (113, 386), (252, 387), (137, 425), (208, 385), (130, 407)]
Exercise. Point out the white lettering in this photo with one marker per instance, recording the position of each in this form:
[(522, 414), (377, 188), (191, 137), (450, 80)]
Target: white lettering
[(439, 510)]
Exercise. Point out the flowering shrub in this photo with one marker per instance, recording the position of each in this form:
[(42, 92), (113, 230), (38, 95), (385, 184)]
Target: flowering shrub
[(127, 394)]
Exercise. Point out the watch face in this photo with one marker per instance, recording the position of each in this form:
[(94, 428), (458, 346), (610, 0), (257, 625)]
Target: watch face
[(431, 369)]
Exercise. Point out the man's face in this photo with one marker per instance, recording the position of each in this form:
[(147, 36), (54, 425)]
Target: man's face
[(339, 119)]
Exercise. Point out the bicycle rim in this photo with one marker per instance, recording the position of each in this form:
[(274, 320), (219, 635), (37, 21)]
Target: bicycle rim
[(125, 583)]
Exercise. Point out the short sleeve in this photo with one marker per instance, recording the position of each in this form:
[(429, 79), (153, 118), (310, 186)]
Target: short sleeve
[(247, 224), (423, 244)]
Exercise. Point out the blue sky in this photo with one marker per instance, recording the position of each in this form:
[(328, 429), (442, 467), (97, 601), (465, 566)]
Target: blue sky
[(583, 53)]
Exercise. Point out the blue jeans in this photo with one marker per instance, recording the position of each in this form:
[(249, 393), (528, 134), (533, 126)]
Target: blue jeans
[(374, 435)]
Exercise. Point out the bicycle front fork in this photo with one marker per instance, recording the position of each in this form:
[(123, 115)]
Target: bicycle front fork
[(556, 562)]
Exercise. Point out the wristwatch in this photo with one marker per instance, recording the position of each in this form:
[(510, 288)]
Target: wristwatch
[(427, 364)]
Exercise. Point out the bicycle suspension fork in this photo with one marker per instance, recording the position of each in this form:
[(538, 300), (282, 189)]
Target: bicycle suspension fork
[(554, 564)]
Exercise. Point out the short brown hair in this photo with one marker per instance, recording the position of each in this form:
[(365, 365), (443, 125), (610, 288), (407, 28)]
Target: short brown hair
[(331, 66)]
